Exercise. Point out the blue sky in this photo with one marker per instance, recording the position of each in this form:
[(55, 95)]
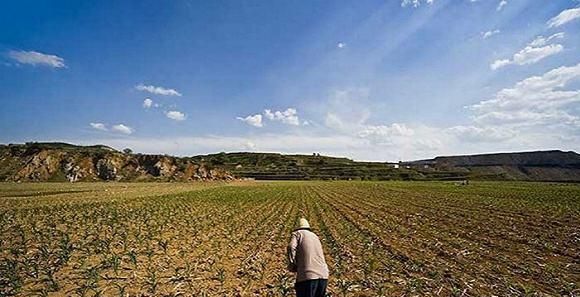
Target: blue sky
[(370, 80)]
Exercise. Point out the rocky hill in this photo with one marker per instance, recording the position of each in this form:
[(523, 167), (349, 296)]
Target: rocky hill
[(538, 166), (62, 162), (539, 158)]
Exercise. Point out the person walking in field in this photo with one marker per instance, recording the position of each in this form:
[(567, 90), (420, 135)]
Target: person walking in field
[(306, 259)]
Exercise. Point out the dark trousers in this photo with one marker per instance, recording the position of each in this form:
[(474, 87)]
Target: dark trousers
[(311, 288)]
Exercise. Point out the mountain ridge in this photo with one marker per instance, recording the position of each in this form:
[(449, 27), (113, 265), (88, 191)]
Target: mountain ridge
[(531, 158), (41, 161)]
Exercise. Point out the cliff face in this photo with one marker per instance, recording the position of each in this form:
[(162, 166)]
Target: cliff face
[(53, 162)]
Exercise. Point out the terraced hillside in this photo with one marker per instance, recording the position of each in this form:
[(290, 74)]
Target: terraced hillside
[(531, 166), (270, 166), (229, 239)]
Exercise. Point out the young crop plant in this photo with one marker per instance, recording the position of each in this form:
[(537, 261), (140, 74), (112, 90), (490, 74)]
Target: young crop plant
[(379, 238)]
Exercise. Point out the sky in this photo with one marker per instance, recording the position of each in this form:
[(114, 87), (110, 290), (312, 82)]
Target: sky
[(372, 80)]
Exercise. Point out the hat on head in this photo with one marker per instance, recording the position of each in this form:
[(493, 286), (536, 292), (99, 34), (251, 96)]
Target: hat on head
[(303, 224)]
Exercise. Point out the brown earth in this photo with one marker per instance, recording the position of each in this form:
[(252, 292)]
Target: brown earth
[(229, 239)]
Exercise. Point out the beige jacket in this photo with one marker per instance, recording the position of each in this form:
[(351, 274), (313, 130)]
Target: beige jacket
[(305, 256)]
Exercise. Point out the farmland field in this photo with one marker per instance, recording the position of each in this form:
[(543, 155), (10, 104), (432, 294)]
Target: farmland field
[(229, 239)]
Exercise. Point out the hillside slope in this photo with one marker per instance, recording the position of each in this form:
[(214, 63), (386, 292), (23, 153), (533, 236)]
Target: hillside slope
[(271, 166), (532, 166), (61, 162), (538, 166)]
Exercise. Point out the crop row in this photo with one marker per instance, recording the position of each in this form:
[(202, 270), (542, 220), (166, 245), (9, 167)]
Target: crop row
[(380, 238)]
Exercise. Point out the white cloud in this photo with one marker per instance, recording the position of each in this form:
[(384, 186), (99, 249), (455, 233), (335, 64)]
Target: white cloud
[(253, 120), (347, 110), (534, 101), (425, 143), (99, 126), (348, 115), (341, 45), (501, 4), (249, 145), (488, 34), (332, 145), (268, 114), (147, 103), (334, 121), (384, 131), (401, 139), (122, 129), (564, 17), (288, 116), (415, 3), (499, 63), (175, 115), (285, 143), (537, 113), (531, 55), (534, 52), (541, 40), (36, 58), (534, 114), (389, 135), (157, 90), (481, 134)]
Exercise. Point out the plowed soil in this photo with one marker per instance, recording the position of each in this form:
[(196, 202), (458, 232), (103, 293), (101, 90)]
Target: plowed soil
[(229, 239)]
